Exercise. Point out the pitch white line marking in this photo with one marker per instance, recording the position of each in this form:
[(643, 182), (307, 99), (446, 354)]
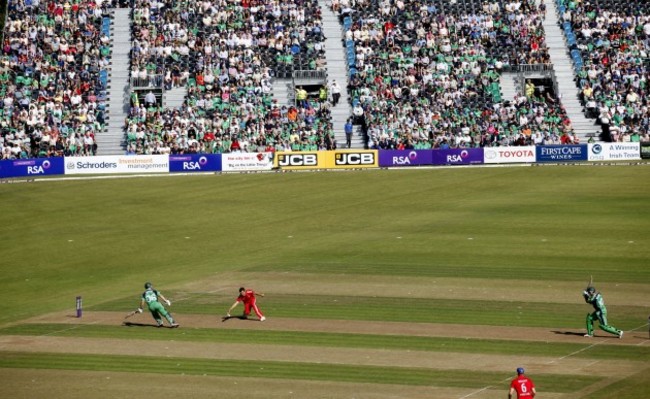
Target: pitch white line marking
[(475, 392), (68, 329), (639, 327), (578, 351), (483, 389)]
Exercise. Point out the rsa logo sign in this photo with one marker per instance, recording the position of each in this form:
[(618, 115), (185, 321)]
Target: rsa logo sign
[(297, 160), (355, 159), (195, 165), (38, 169)]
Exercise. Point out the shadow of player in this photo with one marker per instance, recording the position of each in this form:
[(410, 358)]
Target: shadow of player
[(225, 318), (577, 334), (131, 324)]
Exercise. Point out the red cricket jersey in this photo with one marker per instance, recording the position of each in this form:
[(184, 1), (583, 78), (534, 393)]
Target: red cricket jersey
[(247, 297), (523, 386)]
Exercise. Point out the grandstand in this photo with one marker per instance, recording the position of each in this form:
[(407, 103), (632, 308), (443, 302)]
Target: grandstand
[(609, 41), (88, 78)]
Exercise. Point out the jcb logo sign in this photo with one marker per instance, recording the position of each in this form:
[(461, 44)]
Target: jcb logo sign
[(297, 160), (354, 158)]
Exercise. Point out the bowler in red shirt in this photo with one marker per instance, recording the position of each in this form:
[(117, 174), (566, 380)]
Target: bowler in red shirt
[(248, 298)]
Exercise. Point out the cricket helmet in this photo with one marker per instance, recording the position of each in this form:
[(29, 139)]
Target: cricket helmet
[(520, 370), (147, 285), (591, 290)]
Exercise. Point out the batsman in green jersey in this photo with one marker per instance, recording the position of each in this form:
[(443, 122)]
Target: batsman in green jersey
[(595, 299), (150, 297)]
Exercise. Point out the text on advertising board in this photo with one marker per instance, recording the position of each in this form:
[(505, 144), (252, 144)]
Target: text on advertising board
[(297, 159), (354, 158)]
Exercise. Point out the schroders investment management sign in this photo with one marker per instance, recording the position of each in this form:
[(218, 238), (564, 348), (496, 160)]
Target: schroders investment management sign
[(117, 164)]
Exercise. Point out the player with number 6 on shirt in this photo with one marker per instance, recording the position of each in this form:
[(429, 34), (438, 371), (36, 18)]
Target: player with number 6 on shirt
[(522, 385)]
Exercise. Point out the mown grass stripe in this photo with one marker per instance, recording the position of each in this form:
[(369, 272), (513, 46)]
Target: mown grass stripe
[(634, 386), (338, 340), (421, 310), (284, 370), (634, 271)]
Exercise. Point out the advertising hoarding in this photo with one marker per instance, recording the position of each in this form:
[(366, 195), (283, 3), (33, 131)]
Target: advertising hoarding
[(244, 161), (393, 158), (299, 160), (457, 156), (561, 153), (117, 164), (614, 151), (191, 163), (32, 167), (352, 159), (525, 154)]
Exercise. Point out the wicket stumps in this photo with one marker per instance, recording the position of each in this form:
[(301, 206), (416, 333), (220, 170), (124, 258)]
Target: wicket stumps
[(79, 306)]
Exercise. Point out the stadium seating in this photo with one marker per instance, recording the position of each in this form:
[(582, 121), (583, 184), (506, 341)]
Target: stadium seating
[(421, 74), (610, 42), (427, 74), (226, 54), (53, 82)]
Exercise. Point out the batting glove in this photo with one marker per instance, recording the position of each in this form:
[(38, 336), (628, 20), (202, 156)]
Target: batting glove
[(139, 310), (228, 315), (169, 303)]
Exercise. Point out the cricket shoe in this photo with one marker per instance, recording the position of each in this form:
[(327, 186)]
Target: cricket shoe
[(174, 325), (589, 335), (620, 334), (262, 318)]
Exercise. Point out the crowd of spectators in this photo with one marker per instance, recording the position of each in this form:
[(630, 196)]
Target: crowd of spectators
[(615, 46), (226, 54), (425, 74), (52, 98), (429, 78)]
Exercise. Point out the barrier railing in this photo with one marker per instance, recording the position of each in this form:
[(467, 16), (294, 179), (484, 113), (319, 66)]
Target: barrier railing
[(309, 74), (528, 68), (150, 81)]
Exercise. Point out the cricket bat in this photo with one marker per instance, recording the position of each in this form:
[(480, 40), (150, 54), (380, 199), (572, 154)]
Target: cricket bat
[(130, 314)]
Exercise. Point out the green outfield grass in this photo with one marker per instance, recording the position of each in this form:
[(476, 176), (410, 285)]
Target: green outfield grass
[(292, 371), (635, 386), (532, 227), (104, 238)]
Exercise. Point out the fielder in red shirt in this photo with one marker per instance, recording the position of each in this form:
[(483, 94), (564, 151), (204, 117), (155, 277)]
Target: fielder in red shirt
[(248, 298), (522, 385)]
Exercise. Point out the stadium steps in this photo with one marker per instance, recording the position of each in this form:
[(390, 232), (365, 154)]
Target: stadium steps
[(565, 76), (283, 92), (112, 142), (337, 70), (509, 85), (175, 97)]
